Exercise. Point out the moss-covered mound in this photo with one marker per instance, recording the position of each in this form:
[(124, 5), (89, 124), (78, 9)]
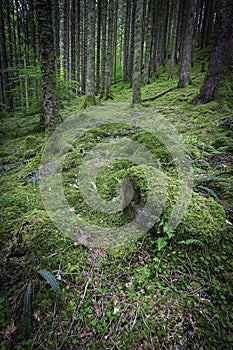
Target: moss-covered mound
[(203, 223)]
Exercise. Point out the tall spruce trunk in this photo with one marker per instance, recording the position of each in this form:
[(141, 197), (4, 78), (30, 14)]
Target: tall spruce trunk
[(90, 83), (137, 53), (221, 58), (187, 46), (109, 59), (5, 95), (47, 64)]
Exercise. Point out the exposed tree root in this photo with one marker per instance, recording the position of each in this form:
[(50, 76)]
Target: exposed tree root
[(159, 95)]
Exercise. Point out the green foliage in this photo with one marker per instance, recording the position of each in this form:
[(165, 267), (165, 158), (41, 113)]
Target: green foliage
[(160, 291), (51, 281)]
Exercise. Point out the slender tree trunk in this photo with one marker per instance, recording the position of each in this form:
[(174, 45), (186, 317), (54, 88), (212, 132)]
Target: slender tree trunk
[(98, 46), (84, 46), (103, 46), (109, 50), (148, 42), (188, 44), (137, 53), (73, 42), (131, 51), (221, 58), (115, 30), (67, 45), (90, 84), (77, 43), (174, 38), (7, 101), (126, 72), (24, 31), (47, 64)]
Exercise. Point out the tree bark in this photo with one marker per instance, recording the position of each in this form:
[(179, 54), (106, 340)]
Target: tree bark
[(7, 101), (221, 58), (109, 50), (47, 64), (103, 46), (90, 83), (174, 37), (187, 44), (126, 65), (137, 53), (148, 42)]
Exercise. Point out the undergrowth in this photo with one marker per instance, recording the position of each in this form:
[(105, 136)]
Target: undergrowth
[(175, 294)]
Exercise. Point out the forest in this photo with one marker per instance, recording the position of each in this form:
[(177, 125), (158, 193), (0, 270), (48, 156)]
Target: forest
[(116, 160)]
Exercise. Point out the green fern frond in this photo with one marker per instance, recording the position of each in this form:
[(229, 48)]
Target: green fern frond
[(208, 190), (191, 241), (211, 178), (27, 309), (213, 150), (49, 277)]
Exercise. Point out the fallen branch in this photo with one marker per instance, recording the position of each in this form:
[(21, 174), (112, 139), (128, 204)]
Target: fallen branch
[(159, 95)]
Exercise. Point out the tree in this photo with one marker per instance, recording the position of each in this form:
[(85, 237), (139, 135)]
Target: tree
[(90, 84), (186, 56), (137, 53), (47, 64), (6, 101), (103, 46), (109, 60), (221, 58), (174, 37), (148, 41), (126, 65)]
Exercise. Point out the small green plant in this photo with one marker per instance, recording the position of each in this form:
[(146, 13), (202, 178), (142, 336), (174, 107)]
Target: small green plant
[(191, 241), (27, 309), (51, 280)]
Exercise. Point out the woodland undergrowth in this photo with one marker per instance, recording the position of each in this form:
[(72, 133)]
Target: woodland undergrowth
[(150, 294)]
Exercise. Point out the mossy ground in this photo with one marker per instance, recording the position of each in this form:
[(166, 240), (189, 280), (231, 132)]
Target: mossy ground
[(131, 297)]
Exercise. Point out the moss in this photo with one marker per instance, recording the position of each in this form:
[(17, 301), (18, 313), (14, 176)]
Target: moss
[(224, 93), (124, 291), (205, 221), (157, 148)]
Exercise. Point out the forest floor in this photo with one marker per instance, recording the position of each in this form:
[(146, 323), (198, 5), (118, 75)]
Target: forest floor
[(160, 291)]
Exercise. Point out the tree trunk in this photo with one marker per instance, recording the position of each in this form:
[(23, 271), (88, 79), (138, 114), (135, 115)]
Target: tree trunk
[(174, 37), (103, 46), (148, 41), (73, 42), (84, 46), (90, 84), (132, 33), (98, 46), (115, 42), (221, 58), (47, 64), (187, 44), (67, 45), (7, 102), (137, 53), (109, 50), (77, 43), (126, 41)]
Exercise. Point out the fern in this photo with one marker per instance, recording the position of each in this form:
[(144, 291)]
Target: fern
[(49, 277), (191, 241), (211, 192), (211, 178), (27, 309)]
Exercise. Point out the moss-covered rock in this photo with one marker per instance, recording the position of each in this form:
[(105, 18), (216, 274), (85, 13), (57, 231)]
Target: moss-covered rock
[(204, 221)]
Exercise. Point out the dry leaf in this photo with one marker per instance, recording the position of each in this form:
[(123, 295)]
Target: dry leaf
[(10, 329), (115, 300)]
